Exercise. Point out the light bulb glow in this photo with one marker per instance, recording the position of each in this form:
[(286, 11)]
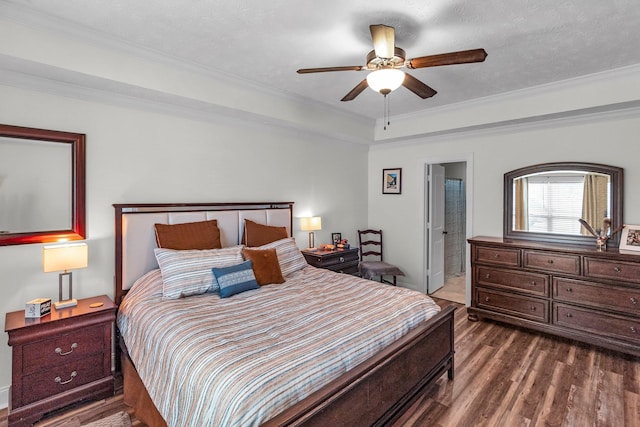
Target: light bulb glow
[(385, 80)]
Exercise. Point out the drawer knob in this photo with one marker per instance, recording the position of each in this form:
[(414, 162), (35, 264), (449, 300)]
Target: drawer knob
[(486, 299), (633, 300), (488, 276), (569, 290), (496, 256), (569, 315), (341, 259), (533, 283), (617, 269), (59, 380), (633, 330), (550, 261), (533, 308), (73, 347)]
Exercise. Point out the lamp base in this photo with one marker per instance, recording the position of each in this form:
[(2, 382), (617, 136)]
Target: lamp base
[(66, 303)]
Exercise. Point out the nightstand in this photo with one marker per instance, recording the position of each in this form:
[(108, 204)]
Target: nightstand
[(339, 260), (59, 359)]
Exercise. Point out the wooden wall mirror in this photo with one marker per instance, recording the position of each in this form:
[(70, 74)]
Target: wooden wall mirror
[(42, 185), (544, 202)]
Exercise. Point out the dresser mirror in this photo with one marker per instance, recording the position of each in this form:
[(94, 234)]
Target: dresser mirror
[(42, 185), (545, 202)]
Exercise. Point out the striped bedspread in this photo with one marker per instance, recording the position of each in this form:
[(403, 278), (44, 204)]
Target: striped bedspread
[(208, 361)]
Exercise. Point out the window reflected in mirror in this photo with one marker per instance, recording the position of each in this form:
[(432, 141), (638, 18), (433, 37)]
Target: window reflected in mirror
[(554, 202)]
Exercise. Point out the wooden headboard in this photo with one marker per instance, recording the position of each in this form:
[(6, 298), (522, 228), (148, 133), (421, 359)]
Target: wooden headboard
[(135, 233)]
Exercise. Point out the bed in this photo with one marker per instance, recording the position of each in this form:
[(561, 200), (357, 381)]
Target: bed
[(310, 357)]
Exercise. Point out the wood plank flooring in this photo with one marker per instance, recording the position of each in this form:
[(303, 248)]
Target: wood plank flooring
[(504, 376)]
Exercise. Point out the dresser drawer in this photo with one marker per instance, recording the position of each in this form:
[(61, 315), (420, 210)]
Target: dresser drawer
[(609, 297), (613, 270), (612, 326), (520, 306), (552, 262), (497, 256), (63, 348), (532, 283), (61, 378)]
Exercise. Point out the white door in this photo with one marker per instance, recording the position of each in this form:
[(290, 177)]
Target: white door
[(435, 228)]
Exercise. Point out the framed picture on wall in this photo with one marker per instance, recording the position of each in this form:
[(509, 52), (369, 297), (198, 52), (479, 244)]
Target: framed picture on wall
[(630, 239), (392, 181)]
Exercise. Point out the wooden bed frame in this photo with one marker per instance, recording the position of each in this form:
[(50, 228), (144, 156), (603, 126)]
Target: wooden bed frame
[(376, 392)]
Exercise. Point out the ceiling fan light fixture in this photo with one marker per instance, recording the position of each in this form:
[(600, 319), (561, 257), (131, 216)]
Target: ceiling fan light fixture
[(385, 80)]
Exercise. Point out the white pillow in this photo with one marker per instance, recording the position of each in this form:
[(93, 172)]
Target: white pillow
[(188, 272), (289, 256)]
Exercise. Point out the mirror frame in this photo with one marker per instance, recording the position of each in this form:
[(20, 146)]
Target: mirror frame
[(617, 181), (77, 141)]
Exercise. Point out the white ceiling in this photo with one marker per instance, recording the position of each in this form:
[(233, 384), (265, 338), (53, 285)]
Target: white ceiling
[(529, 42)]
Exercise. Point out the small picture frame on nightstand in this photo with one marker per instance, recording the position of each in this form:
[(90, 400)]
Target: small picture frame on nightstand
[(335, 238)]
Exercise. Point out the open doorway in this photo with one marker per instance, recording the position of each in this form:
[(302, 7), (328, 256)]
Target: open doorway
[(447, 260)]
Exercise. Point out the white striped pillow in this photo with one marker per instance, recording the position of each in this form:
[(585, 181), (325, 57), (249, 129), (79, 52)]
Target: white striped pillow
[(289, 256), (186, 273)]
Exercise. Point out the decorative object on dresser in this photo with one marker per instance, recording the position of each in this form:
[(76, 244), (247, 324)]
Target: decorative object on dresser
[(63, 258), (59, 359), (630, 240), (392, 181), (311, 224), (371, 246), (338, 260), (572, 291)]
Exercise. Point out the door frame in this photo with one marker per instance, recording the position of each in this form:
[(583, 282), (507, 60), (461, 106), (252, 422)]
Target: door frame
[(453, 158)]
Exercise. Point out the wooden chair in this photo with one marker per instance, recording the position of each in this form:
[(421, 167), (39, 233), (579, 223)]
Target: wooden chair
[(371, 246)]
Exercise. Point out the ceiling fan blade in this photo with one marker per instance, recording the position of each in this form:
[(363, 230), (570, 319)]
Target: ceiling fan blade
[(326, 69), (356, 91), (461, 57), (384, 40), (417, 87)]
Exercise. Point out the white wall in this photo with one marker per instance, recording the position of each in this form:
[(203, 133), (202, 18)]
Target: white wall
[(608, 139), (136, 156)]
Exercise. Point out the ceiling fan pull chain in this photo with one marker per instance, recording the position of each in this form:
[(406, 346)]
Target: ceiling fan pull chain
[(387, 109)]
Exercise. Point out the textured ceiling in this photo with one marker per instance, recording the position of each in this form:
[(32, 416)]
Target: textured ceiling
[(529, 42)]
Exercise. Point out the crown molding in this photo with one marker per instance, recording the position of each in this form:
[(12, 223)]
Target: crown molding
[(622, 110)]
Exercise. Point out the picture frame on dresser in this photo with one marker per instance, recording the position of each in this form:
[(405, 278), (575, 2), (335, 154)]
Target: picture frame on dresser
[(630, 238)]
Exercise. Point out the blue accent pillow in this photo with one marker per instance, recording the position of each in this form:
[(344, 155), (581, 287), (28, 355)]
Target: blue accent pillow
[(235, 279)]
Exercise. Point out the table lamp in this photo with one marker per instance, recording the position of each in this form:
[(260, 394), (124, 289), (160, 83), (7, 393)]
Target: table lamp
[(311, 224), (63, 258)]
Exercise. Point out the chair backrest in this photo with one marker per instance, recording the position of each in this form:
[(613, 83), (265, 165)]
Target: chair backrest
[(370, 243)]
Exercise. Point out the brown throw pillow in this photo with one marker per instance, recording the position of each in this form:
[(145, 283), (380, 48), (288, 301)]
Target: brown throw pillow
[(190, 235), (259, 234), (265, 265)]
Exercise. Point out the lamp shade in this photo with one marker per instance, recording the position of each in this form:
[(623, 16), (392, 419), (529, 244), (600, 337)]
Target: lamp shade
[(64, 257), (385, 80), (312, 223)]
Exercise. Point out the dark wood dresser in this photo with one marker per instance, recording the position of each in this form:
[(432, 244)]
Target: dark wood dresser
[(339, 260), (61, 358), (570, 291)]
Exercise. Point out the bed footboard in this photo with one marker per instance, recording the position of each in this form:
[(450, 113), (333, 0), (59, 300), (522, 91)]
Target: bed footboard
[(379, 390)]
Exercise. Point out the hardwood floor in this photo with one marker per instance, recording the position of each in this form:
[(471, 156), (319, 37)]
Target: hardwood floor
[(504, 376)]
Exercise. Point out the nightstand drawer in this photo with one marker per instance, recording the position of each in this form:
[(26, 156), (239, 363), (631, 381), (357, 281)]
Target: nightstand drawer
[(62, 349), (61, 378), (342, 261)]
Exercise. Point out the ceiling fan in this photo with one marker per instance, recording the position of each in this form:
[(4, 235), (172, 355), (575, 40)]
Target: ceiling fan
[(386, 60)]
